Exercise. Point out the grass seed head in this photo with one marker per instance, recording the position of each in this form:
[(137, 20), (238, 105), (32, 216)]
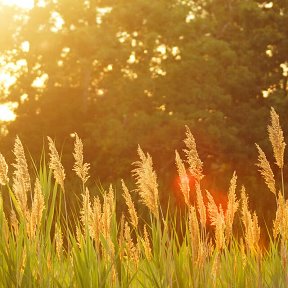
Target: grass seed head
[(276, 138), (80, 167), (184, 179), (130, 205), (195, 164), (55, 164), (265, 170), (3, 171), (146, 181)]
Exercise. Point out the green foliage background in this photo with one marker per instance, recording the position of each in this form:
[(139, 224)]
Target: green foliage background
[(216, 59)]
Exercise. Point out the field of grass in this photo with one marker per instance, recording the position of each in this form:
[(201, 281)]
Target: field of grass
[(41, 246)]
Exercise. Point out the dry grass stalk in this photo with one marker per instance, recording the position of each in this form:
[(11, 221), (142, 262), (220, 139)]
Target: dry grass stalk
[(37, 208), (276, 138), (106, 216), (3, 171), (194, 232), (215, 269), (232, 207), (121, 239), (14, 222), (21, 179), (131, 250), (266, 170), (184, 179), (218, 220), (55, 164), (80, 167), (58, 240), (251, 227), (146, 245), (130, 205), (4, 224), (95, 224), (200, 205), (280, 225), (146, 181), (195, 164), (86, 210)]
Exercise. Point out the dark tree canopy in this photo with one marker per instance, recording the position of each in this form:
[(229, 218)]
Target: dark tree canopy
[(128, 72)]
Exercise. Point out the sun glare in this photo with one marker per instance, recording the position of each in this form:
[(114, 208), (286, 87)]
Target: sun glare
[(6, 114), (26, 4)]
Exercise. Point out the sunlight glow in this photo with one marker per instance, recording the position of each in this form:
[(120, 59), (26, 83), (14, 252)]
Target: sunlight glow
[(25, 4), (6, 114)]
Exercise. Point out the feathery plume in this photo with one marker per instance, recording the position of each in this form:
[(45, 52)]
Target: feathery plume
[(106, 216), (232, 207), (251, 227), (130, 205), (266, 170), (146, 244), (146, 181), (200, 205), (58, 240), (14, 222), (21, 165), (80, 167), (276, 138), (218, 220), (95, 224), (3, 171), (55, 164), (280, 225), (195, 164), (86, 210), (21, 179), (37, 207), (194, 232), (184, 179), (131, 250)]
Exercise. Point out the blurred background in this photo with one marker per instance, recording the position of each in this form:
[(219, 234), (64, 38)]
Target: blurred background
[(127, 72)]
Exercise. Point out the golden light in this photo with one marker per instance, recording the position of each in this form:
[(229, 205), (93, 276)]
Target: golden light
[(25, 4), (6, 114)]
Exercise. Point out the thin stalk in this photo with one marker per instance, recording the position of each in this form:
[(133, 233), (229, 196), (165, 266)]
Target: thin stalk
[(282, 183)]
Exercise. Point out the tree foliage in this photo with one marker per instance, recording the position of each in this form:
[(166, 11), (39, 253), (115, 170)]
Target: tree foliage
[(125, 72)]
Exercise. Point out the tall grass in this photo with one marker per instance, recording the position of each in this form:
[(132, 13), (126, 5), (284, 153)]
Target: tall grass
[(42, 246)]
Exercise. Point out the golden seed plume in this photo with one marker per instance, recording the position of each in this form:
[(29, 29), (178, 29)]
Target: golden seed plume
[(21, 179), (146, 181), (14, 222), (131, 250), (218, 220), (265, 170), (80, 167), (21, 165), (200, 205), (184, 179), (146, 244), (276, 138), (280, 224), (3, 171), (95, 224), (37, 208), (58, 240), (130, 205), (251, 227), (195, 164), (232, 207), (86, 210), (106, 216), (194, 232), (55, 164)]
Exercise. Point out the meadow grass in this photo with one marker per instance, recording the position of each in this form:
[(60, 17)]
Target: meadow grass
[(43, 245)]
